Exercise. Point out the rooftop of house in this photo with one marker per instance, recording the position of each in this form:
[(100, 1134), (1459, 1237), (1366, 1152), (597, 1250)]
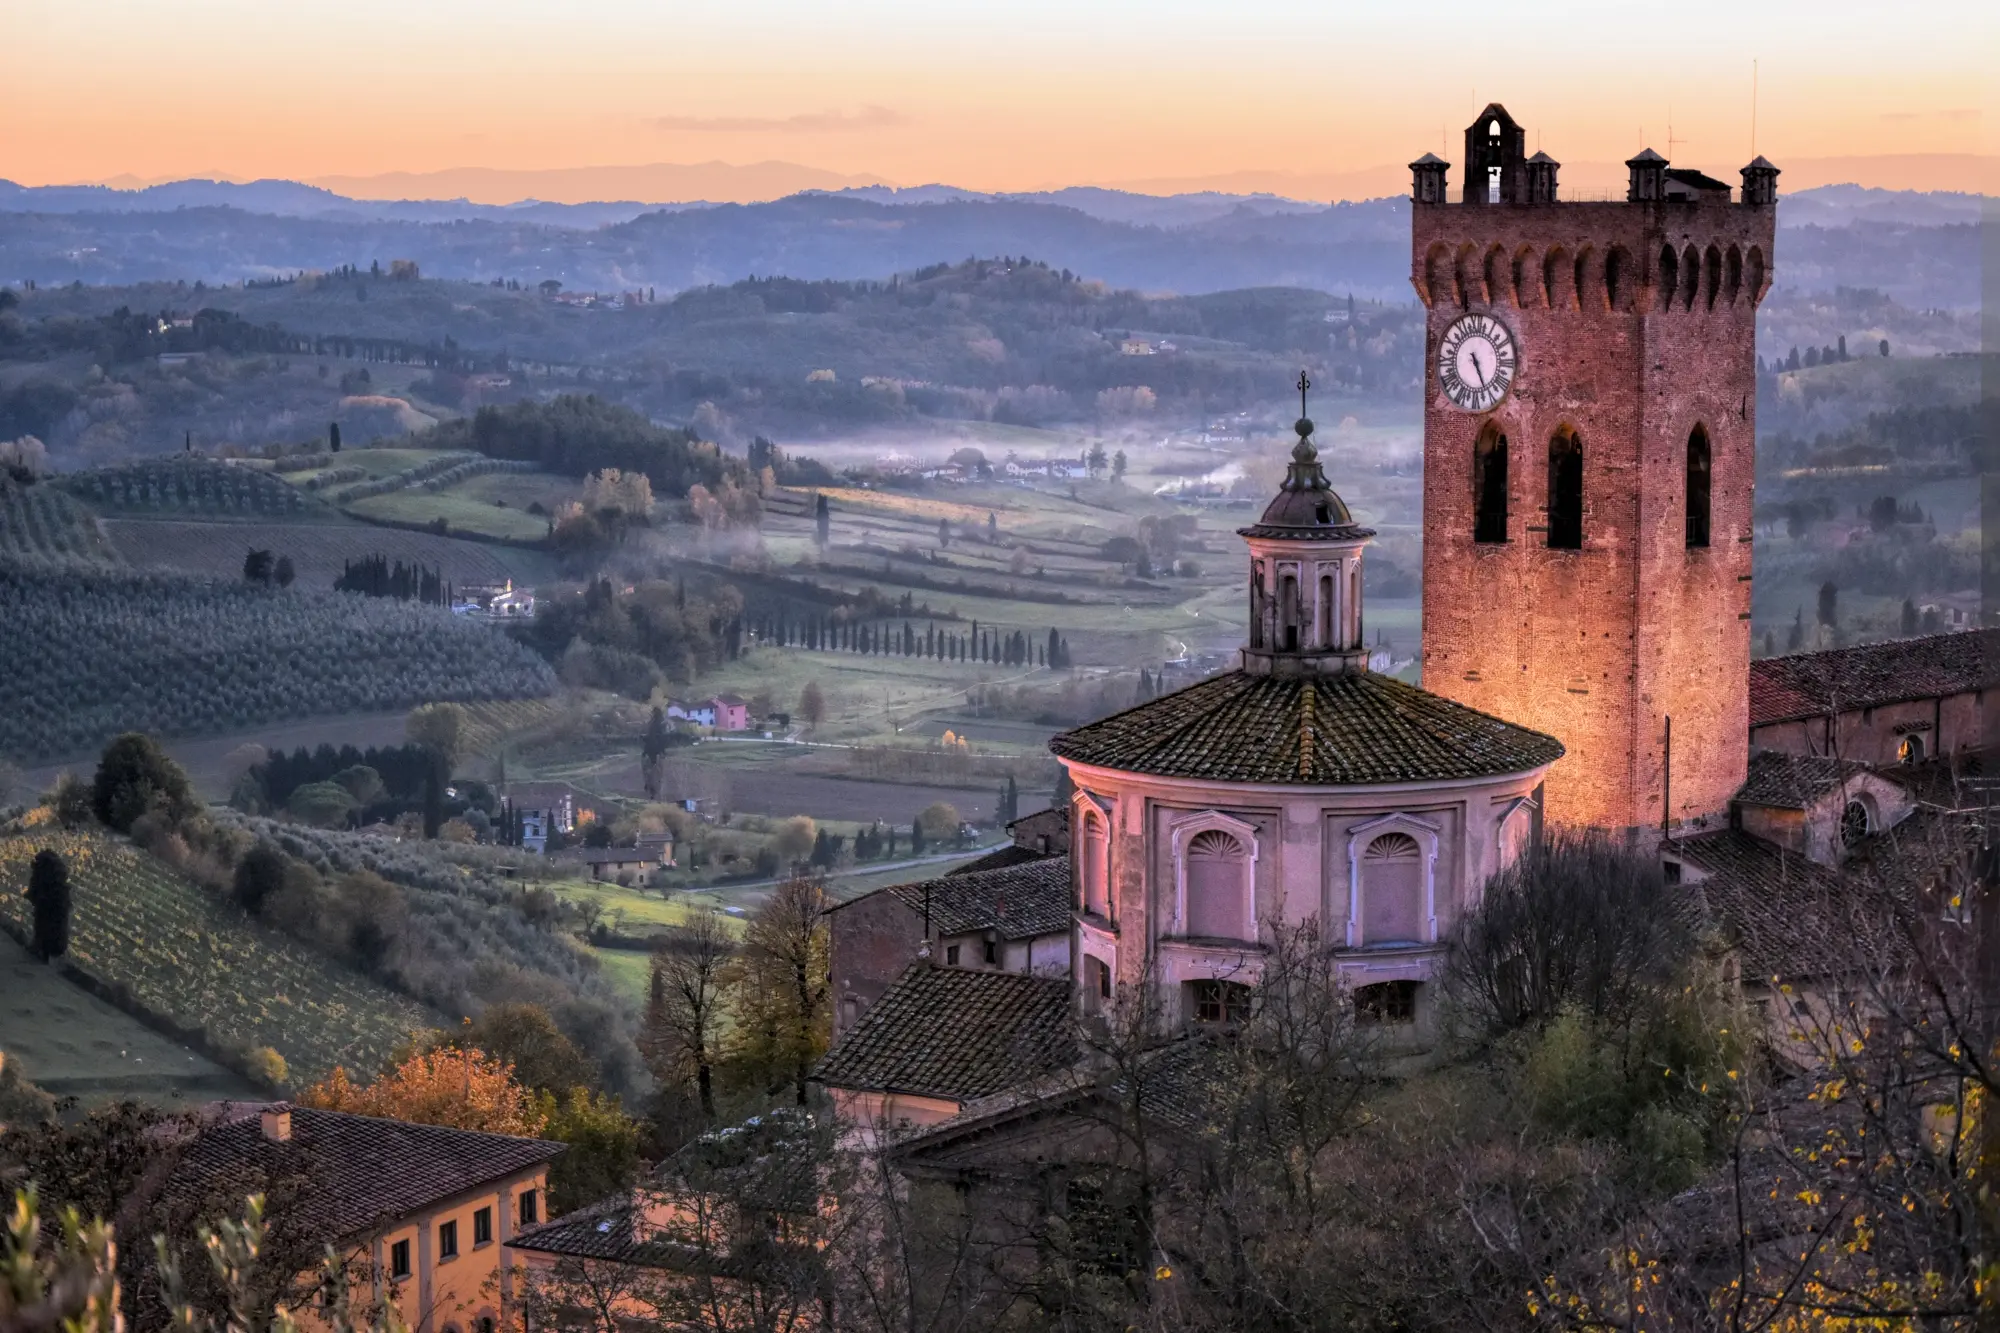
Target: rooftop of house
[(768, 1163), (598, 856), (362, 1169), (1791, 917), (956, 1034), (1018, 901), (1191, 1085), (1013, 854), (1801, 685), (1793, 781), (1347, 730)]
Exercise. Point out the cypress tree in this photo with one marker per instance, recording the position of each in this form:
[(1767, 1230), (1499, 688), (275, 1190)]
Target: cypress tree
[(49, 896)]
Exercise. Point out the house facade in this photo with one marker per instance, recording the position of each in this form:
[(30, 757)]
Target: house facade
[(1901, 702), (420, 1213)]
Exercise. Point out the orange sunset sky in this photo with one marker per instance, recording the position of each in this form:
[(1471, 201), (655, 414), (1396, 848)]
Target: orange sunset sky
[(1313, 98)]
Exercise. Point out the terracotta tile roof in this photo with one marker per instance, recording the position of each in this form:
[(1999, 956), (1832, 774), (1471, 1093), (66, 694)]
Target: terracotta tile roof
[(953, 1033), (1870, 675), (1771, 904), (362, 1169), (1795, 918), (1187, 1081), (1346, 730), (1793, 781), (1000, 858), (1019, 901)]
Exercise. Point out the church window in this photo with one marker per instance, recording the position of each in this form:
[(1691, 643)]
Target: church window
[(1911, 751), (1856, 823), (1288, 611), (1392, 890), (1218, 886), (1256, 604), (1386, 1002), (1218, 1001), (1698, 464), (1670, 276), (1326, 626), (1489, 487), (1566, 491), (1096, 867)]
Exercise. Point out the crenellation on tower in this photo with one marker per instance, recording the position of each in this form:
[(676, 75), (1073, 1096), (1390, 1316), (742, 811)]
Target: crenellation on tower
[(1589, 458)]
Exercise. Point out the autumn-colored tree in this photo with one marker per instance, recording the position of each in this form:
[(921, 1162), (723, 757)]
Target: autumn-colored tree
[(464, 1089), (783, 998), (812, 704)]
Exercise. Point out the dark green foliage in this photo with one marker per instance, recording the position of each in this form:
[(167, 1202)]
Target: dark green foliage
[(1829, 604), (578, 434), (284, 572), (135, 776), (257, 567), (178, 655), (374, 576), (48, 893), (259, 875)]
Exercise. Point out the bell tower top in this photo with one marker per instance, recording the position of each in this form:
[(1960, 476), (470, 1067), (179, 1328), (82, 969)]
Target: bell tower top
[(1496, 159), (1305, 572)]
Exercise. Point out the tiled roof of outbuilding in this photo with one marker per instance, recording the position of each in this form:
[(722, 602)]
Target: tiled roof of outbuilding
[(1793, 781), (1013, 854), (1871, 675), (1018, 901), (954, 1033), (1357, 729), (362, 1168)]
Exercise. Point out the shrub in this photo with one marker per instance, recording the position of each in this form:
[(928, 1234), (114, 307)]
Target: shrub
[(133, 776), (259, 876), (268, 1067)]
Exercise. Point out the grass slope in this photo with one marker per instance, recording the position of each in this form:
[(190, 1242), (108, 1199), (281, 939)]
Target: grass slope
[(183, 956)]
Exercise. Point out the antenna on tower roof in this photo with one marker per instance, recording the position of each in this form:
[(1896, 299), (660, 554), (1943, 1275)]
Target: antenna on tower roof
[(1753, 106)]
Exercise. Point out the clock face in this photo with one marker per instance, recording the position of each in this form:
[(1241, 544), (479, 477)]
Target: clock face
[(1476, 362)]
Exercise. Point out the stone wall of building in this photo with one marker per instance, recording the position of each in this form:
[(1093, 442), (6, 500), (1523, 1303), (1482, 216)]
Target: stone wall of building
[(1599, 646)]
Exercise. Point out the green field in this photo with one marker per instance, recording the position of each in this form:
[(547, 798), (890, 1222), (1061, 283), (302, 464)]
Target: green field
[(190, 959), (70, 1043), (463, 512)]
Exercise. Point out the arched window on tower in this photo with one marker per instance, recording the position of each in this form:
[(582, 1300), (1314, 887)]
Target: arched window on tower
[(1489, 487), (1288, 612), (1670, 276), (1327, 630), (1698, 463), (1392, 890), (1565, 491), (1218, 886), (1096, 867), (1256, 604)]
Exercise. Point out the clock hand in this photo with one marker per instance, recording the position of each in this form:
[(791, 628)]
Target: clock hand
[(1475, 365)]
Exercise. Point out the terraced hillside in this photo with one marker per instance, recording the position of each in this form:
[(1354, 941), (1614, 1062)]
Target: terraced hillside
[(41, 520), (181, 956), (93, 650), (166, 487)]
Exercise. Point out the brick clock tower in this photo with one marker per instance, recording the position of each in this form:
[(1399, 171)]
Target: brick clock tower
[(1589, 452)]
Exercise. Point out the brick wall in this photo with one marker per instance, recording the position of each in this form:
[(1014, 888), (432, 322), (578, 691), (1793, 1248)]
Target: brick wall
[(871, 941), (1599, 646)]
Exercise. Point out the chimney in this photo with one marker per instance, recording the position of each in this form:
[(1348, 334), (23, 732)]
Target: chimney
[(278, 1122)]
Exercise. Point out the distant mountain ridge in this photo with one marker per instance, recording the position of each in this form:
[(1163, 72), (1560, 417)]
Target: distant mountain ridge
[(1920, 248)]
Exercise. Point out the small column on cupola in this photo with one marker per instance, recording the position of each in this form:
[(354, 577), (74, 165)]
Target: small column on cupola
[(1305, 572)]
